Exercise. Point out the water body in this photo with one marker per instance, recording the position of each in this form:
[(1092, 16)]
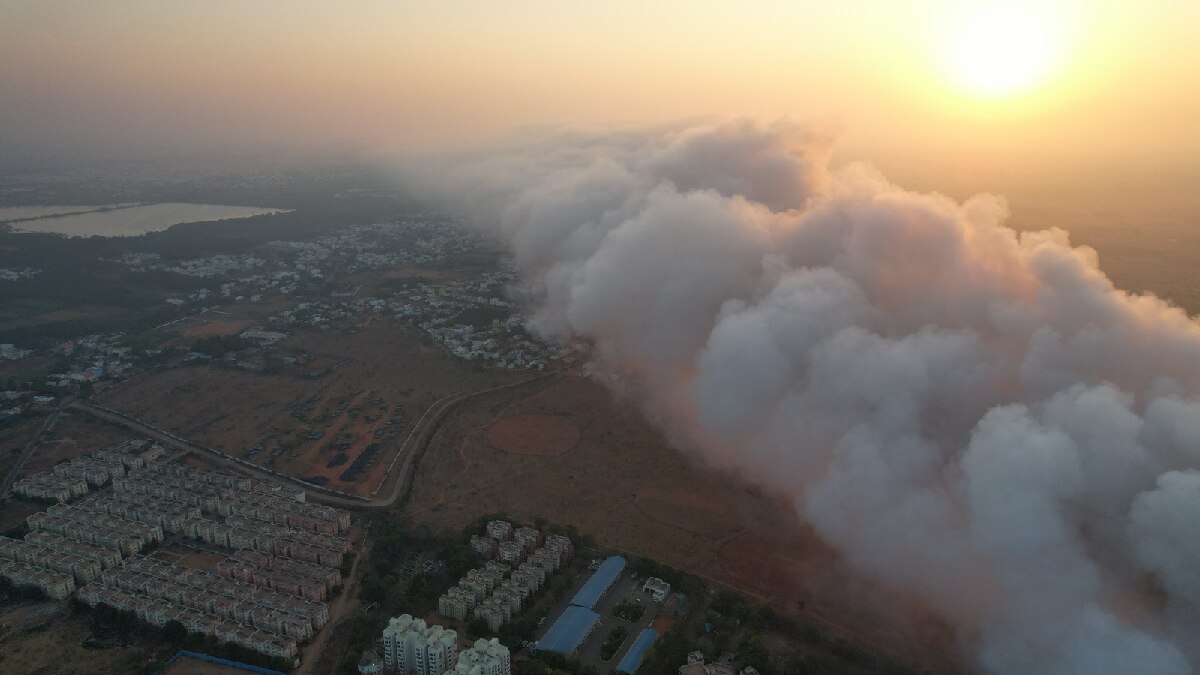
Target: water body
[(119, 220)]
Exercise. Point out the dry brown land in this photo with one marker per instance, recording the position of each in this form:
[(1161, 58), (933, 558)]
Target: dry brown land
[(19, 371), (76, 434), (201, 327), (13, 439), (534, 434), (233, 409), (58, 650), (622, 484)]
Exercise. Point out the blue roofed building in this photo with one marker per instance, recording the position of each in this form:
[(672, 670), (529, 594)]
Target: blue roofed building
[(637, 651), (569, 630), (599, 583)]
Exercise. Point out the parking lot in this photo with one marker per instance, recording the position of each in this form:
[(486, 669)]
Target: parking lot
[(627, 587)]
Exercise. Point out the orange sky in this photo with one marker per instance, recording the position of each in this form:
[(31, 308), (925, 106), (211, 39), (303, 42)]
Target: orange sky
[(137, 75)]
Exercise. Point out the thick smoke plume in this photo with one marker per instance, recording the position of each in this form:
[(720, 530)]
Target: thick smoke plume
[(967, 414)]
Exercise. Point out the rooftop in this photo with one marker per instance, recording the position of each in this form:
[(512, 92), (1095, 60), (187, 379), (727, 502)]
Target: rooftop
[(637, 651), (599, 582), (571, 627)]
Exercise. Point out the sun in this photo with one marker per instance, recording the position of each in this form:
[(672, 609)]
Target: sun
[(1002, 50)]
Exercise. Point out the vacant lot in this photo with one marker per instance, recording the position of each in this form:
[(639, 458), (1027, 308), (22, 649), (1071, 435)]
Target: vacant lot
[(74, 435), (58, 649), (382, 379), (534, 434)]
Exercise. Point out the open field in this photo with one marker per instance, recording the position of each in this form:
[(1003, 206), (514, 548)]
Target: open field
[(341, 429), (58, 649), (534, 434), (622, 484), (74, 435), (13, 437), (200, 327)]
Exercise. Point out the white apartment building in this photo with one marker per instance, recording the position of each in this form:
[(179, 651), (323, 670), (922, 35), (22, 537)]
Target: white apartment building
[(485, 657), (411, 646)]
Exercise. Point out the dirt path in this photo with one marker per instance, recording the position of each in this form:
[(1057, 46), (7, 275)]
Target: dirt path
[(32, 445), (340, 610)]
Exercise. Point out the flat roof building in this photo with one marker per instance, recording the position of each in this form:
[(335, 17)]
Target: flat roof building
[(569, 630), (637, 651), (599, 583)]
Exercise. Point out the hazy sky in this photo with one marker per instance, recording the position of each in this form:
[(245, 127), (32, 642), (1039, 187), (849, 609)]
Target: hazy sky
[(1116, 81)]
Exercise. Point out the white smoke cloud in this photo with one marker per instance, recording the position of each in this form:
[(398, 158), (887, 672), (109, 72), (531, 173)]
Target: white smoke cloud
[(965, 413)]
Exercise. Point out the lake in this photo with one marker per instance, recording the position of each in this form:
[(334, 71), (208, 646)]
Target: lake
[(119, 220)]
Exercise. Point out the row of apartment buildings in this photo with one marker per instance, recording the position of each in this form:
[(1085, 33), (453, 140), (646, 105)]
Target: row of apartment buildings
[(222, 607), (55, 558), (485, 593), (309, 581), (82, 568), (97, 528), (228, 495), (159, 612), (411, 646), (268, 599), (74, 478), (504, 542), (57, 585)]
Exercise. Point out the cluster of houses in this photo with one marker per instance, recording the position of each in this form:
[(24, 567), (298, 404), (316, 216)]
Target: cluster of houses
[(722, 666), (518, 564), (10, 352), (89, 359), (17, 273), (211, 266), (92, 358), (285, 267)]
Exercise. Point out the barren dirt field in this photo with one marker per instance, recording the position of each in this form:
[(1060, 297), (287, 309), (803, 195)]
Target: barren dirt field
[(75, 434), (58, 650), (622, 484), (534, 434), (13, 438), (341, 429), (199, 328)]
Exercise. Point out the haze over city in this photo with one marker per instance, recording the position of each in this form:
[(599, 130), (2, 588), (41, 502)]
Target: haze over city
[(701, 338)]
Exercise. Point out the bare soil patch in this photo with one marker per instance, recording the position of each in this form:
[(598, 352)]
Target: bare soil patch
[(699, 513), (59, 649), (311, 427), (534, 434), (206, 328), (74, 435)]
